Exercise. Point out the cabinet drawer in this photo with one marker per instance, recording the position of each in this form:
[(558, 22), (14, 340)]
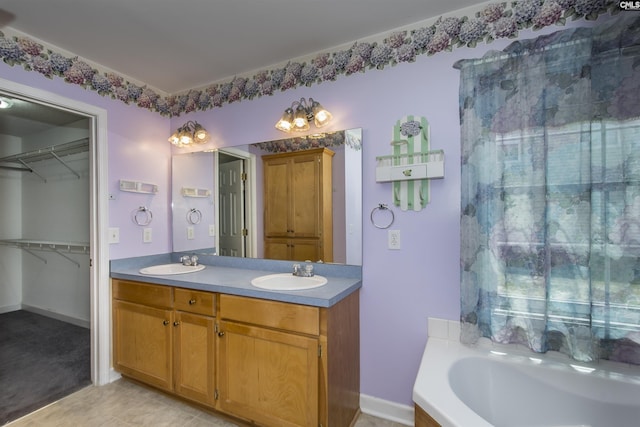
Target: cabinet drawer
[(281, 315), (143, 293), (199, 302)]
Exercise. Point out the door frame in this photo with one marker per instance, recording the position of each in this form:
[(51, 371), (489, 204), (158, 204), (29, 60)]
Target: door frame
[(100, 311)]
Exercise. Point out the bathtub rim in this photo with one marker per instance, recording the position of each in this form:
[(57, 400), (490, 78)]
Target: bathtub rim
[(433, 393)]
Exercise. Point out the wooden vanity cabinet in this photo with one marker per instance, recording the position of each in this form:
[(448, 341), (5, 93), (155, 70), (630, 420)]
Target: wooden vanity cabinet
[(298, 205), (165, 337), (194, 345), (142, 331), (283, 364), (268, 362)]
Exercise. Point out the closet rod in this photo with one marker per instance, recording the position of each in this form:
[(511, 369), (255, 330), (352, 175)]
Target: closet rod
[(16, 168)]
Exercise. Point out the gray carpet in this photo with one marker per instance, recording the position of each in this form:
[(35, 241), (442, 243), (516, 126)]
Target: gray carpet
[(41, 361)]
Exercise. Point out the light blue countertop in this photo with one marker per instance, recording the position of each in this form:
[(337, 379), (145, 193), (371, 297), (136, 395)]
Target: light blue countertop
[(233, 276)]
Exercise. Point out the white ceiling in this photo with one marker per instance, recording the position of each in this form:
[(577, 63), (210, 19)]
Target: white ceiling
[(26, 118), (176, 45)]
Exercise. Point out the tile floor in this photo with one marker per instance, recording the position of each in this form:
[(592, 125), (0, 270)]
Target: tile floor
[(125, 404)]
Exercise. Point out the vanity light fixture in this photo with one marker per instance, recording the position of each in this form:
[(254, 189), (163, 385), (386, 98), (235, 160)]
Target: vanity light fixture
[(301, 113), (188, 134)]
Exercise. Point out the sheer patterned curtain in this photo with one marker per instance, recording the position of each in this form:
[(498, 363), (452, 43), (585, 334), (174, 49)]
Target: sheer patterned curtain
[(550, 222)]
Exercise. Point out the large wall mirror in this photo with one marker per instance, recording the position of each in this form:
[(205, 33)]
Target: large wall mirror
[(218, 198)]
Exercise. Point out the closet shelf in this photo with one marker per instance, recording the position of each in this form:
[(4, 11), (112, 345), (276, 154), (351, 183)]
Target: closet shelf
[(22, 161), (48, 246)]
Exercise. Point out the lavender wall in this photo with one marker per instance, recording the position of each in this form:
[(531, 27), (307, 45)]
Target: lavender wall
[(138, 150), (400, 288)]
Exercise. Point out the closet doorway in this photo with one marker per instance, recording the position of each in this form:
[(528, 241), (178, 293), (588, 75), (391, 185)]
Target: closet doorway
[(51, 259)]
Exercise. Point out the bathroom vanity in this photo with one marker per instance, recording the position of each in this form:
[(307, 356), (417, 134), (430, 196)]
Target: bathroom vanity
[(274, 358)]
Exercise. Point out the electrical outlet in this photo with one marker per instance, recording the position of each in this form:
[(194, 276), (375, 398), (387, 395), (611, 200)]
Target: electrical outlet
[(394, 239), (191, 234), (114, 235), (146, 235), (212, 230)]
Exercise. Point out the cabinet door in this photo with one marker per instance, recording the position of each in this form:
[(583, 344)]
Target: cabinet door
[(305, 196), (276, 198), (277, 248), (194, 356), (305, 250), (268, 376), (292, 249), (142, 343)]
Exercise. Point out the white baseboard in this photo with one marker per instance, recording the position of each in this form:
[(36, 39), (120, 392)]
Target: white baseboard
[(387, 410), (9, 308), (114, 375), (58, 316)]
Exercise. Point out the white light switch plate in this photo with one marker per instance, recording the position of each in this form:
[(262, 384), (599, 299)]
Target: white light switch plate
[(146, 235), (114, 235)]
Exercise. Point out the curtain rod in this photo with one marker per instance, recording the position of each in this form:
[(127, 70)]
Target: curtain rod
[(492, 56)]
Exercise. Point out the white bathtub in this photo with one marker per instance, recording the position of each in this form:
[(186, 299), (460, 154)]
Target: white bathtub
[(460, 386)]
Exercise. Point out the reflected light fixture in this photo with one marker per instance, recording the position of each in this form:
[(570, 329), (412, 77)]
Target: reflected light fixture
[(189, 134), (5, 103), (301, 113)]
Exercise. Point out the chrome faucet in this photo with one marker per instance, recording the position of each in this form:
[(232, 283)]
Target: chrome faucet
[(307, 271), (189, 260)]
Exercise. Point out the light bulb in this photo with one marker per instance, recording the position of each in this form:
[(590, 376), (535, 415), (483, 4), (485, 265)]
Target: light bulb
[(285, 122), (300, 122)]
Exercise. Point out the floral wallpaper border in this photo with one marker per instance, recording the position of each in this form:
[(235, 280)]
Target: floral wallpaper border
[(493, 21), (328, 140)]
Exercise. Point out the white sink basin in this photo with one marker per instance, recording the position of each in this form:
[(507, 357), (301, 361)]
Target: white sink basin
[(168, 269), (288, 282)]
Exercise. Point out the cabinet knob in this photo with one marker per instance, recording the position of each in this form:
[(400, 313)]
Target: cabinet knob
[(176, 323), (192, 301), (165, 323), (221, 333)]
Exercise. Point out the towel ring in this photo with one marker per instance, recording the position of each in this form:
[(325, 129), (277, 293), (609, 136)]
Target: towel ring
[(382, 207), (194, 216), (142, 219)]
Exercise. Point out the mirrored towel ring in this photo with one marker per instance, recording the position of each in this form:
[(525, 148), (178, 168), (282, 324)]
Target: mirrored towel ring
[(194, 216), (142, 216), (376, 212)]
